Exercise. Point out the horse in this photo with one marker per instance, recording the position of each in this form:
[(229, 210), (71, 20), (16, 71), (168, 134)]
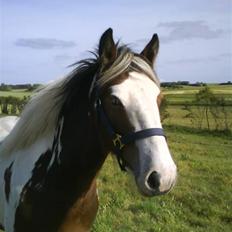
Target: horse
[(50, 160)]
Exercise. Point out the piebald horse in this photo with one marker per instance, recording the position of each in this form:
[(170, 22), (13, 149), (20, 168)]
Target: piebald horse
[(50, 159)]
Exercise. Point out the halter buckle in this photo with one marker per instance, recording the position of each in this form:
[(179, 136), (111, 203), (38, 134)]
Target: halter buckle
[(118, 142)]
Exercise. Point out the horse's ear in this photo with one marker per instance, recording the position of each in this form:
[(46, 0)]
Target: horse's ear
[(107, 48), (151, 50)]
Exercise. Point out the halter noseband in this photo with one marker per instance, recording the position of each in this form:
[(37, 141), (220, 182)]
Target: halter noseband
[(120, 141)]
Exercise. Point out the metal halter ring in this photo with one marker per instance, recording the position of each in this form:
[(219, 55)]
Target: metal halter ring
[(118, 142)]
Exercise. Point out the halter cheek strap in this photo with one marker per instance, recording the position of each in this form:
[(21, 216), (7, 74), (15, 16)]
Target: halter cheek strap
[(120, 141)]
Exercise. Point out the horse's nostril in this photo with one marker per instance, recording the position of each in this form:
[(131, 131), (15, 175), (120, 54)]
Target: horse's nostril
[(154, 180)]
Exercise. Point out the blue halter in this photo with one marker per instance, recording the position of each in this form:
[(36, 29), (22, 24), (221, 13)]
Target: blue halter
[(119, 141)]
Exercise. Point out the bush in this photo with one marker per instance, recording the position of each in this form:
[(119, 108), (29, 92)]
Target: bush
[(12, 105)]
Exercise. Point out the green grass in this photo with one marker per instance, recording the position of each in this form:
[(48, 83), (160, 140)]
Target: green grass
[(177, 117)]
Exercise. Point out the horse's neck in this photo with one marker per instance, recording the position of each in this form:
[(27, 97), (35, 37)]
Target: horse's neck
[(76, 150), (63, 175)]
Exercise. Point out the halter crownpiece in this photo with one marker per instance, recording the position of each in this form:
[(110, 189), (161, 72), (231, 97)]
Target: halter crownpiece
[(120, 141)]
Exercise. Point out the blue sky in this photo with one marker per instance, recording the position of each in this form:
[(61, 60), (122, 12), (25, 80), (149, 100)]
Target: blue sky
[(40, 38)]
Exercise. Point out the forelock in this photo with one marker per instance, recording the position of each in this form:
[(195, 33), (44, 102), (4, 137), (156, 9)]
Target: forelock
[(126, 62)]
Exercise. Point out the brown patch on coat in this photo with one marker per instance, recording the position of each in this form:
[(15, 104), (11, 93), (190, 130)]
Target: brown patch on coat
[(7, 179), (81, 215), (159, 99)]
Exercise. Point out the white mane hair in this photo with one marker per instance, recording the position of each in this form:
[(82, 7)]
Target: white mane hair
[(40, 116)]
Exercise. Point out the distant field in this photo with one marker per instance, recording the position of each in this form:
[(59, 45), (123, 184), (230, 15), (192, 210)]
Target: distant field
[(15, 93), (222, 89), (186, 93), (214, 87)]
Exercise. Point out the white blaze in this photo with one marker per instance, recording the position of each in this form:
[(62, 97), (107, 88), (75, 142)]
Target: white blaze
[(139, 95)]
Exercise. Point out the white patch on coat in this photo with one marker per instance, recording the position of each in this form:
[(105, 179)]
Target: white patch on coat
[(38, 118), (24, 163), (139, 95), (6, 125)]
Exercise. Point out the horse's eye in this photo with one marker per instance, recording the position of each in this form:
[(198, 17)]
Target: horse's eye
[(115, 101)]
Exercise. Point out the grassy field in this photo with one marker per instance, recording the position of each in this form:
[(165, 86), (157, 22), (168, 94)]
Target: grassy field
[(15, 93), (202, 198), (177, 117)]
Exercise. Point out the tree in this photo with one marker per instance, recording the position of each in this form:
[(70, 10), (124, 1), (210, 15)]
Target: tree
[(206, 98), (208, 106), (12, 105)]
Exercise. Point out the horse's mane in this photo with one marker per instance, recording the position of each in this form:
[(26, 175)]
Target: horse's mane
[(40, 116)]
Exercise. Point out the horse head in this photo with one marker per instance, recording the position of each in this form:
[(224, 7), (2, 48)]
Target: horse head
[(127, 94)]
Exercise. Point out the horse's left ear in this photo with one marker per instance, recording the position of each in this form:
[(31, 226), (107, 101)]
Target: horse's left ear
[(151, 50), (107, 48)]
